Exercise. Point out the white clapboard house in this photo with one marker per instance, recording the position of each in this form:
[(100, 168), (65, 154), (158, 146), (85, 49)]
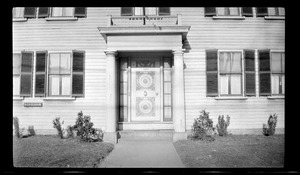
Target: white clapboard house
[(148, 68)]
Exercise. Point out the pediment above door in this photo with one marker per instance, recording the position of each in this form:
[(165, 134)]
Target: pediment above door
[(144, 37)]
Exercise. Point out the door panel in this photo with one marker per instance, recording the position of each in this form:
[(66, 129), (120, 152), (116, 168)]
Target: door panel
[(146, 94)]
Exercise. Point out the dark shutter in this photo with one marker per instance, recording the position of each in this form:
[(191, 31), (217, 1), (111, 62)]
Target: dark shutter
[(26, 73), (247, 11), (29, 12), (164, 11), (249, 72), (212, 72), (264, 72), (126, 11), (78, 73), (210, 11), (40, 73), (261, 11), (80, 12), (43, 12)]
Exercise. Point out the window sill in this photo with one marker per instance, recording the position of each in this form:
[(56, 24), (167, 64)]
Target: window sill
[(275, 97), (231, 98), (59, 99), (229, 17), (18, 98), (61, 19), (274, 17), (19, 19)]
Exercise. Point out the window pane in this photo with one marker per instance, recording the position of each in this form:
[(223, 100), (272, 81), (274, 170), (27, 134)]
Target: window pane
[(40, 62), (56, 11), (236, 65), (77, 84), (16, 64), (26, 62), (68, 11), (283, 62), (221, 11), (283, 83), (224, 62), (167, 87), (212, 83), (150, 10), (167, 75), (65, 64), (275, 84), (281, 11), (168, 113), (54, 64), (25, 84), (123, 63), (138, 10), (18, 12), (250, 83), (123, 100), (123, 76), (236, 84), (167, 63), (234, 11), (276, 62), (249, 60), (271, 11), (167, 100), (40, 84), (264, 60), (224, 84), (16, 85), (123, 114), (65, 85), (54, 84), (264, 83), (123, 88)]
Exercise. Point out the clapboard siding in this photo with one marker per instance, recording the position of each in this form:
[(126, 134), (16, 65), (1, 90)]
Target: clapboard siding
[(205, 33)]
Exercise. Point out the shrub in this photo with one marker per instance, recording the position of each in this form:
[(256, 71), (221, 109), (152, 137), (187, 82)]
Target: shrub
[(84, 128), (222, 125), (270, 128), (203, 127), (58, 126), (31, 131)]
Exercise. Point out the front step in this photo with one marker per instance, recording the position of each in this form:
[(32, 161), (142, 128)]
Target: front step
[(127, 135)]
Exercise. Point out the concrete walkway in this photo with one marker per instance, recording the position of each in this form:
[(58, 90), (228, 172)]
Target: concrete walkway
[(143, 153)]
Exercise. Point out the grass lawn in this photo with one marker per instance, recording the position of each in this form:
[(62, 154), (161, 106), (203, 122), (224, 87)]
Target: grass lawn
[(233, 151), (51, 151)]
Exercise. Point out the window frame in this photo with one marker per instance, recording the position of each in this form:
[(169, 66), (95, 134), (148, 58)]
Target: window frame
[(144, 12), (271, 72), (60, 75), (242, 74)]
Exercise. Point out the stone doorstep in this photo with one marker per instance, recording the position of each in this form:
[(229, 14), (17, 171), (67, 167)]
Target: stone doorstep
[(145, 135)]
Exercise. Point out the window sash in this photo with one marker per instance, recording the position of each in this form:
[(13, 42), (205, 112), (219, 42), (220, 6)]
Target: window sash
[(276, 11), (277, 72)]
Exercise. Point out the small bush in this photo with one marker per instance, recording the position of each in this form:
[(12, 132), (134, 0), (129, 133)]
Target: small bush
[(84, 128), (222, 125), (58, 126), (202, 128), (31, 131), (270, 128), (70, 131)]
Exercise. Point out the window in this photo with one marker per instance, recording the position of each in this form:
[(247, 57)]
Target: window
[(228, 11), (230, 73), (63, 12), (66, 74), (24, 12), (270, 11), (59, 74), (277, 70), (141, 11)]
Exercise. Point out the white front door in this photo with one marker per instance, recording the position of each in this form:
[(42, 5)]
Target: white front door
[(146, 94)]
